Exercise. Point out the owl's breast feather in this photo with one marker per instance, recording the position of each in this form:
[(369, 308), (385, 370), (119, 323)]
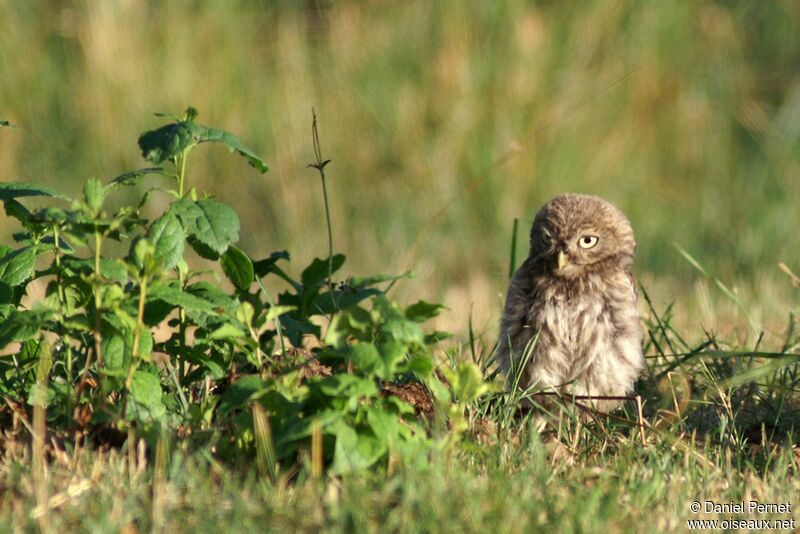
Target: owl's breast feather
[(579, 332), (570, 319)]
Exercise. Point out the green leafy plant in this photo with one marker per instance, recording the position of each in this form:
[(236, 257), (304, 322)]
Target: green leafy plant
[(236, 371)]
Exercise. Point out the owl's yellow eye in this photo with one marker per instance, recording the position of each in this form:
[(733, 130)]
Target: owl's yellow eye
[(587, 241)]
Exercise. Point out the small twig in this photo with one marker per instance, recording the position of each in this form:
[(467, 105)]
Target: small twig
[(320, 164)]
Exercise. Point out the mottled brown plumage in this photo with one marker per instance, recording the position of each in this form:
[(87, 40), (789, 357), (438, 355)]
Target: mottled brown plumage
[(571, 322)]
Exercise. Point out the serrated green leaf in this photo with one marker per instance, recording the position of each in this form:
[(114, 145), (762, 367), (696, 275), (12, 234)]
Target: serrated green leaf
[(265, 266), (145, 343), (343, 298), (384, 425), (300, 428), (214, 369), (245, 313), (296, 329), (355, 322), (9, 190), (146, 388), (421, 365), (317, 271), (437, 336), (155, 311), (421, 311), (403, 330), (176, 297), (241, 391), (438, 390), (467, 382), (6, 294), (53, 215), (133, 177), (355, 451), (399, 406), (276, 311), (212, 223), (392, 352), (213, 294), (238, 268), (145, 400), (18, 266), (366, 357), (111, 269), (348, 386), (169, 141), (227, 331), (114, 361), (114, 270), (142, 253), (93, 194), (167, 237), (379, 361), (215, 135), (362, 281), (19, 212), (22, 325), (117, 347), (5, 311), (203, 250)]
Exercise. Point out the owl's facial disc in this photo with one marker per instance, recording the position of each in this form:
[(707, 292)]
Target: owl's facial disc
[(573, 254)]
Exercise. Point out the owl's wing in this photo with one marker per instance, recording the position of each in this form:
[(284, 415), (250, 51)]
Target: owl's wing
[(512, 326)]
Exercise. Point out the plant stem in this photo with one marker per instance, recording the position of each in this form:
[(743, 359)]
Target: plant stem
[(98, 300), (320, 164), (328, 222), (61, 297), (181, 336), (137, 332), (62, 300), (69, 379), (180, 164), (277, 319), (98, 336)]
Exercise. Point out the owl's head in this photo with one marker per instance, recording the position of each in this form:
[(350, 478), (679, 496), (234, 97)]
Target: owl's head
[(576, 234)]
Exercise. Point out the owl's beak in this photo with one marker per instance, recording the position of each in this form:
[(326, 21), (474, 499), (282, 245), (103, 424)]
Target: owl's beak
[(561, 261)]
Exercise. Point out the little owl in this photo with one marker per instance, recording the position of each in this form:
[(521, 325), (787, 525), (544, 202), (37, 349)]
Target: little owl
[(571, 322)]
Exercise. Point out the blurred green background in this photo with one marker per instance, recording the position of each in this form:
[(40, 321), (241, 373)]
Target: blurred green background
[(444, 120)]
